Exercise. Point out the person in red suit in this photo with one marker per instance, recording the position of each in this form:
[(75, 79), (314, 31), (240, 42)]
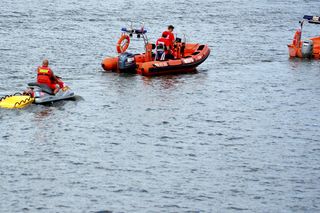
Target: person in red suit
[(46, 76), (170, 34)]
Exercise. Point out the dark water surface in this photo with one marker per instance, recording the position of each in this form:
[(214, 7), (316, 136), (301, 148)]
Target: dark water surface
[(243, 134)]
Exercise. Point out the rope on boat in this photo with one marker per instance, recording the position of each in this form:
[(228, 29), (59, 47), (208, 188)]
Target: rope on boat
[(4, 97), (7, 96), (22, 102)]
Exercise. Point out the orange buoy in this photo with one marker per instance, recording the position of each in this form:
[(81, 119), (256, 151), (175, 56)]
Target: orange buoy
[(109, 64), (123, 43)]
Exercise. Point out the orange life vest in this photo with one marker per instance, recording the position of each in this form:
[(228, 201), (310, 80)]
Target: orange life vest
[(45, 75)]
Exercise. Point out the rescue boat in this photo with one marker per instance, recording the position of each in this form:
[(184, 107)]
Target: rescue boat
[(187, 56), (308, 48)]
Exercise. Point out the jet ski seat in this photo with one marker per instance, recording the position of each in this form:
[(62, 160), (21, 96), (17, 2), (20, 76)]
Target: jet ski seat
[(44, 87)]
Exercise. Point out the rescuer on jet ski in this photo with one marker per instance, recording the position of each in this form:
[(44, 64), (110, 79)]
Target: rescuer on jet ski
[(46, 76)]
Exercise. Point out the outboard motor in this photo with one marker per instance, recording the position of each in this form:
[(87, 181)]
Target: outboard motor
[(127, 63), (160, 52), (307, 49)]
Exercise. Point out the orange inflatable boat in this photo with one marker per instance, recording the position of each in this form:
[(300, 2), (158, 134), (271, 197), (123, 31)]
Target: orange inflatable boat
[(186, 57), (308, 48)]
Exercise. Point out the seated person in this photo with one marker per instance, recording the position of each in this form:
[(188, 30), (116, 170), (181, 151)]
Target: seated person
[(46, 76), (163, 51)]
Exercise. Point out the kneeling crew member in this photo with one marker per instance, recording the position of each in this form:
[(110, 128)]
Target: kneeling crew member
[(166, 44)]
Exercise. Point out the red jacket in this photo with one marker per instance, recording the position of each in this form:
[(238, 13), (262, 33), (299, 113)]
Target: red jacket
[(170, 36), (171, 39)]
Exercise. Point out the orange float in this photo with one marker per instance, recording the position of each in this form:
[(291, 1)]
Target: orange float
[(187, 56), (309, 48), (110, 63)]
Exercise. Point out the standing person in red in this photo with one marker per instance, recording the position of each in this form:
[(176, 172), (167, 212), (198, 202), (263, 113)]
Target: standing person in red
[(46, 76), (170, 37), (166, 52), (170, 34)]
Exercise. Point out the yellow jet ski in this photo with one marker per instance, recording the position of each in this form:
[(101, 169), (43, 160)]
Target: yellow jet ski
[(15, 101)]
